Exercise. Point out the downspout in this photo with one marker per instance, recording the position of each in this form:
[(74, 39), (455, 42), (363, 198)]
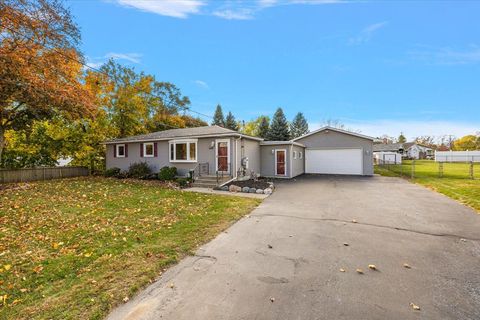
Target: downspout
[(234, 175)]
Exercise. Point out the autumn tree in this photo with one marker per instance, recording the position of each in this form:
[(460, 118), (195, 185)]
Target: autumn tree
[(218, 118), (40, 65), (279, 129), (468, 142), (230, 122), (299, 126)]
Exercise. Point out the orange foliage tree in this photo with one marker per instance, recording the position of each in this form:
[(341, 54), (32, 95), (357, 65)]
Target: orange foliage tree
[(40, 65)]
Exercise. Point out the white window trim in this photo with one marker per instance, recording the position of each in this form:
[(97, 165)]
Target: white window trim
[(145, 155), (228, 154), (294, 155), (276, 151), (188, 142), (117, 146), (300, 155)]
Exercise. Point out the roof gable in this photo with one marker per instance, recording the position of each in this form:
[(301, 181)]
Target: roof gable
[(336, 130)]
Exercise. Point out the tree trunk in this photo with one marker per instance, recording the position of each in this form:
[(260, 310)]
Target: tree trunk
[(2, 143)]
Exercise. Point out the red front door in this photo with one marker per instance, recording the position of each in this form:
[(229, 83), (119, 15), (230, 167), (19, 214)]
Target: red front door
[(222, 156), (280, 167)]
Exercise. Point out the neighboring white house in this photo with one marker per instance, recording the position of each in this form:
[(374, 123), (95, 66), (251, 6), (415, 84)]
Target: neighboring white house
[(410, 150)]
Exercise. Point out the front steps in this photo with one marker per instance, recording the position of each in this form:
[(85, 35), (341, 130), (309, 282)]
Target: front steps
[(210, 181)]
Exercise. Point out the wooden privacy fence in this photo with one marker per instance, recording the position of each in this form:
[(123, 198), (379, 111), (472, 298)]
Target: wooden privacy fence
[(34, 174)]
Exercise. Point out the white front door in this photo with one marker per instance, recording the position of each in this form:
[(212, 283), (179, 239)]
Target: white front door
[(334, 161)]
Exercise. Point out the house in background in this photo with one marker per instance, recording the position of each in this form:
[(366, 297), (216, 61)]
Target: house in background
[(212, 150), (409, 150)]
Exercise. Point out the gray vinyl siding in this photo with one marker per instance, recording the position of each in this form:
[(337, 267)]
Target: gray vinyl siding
[(298, 165), (205, 154), (267, 167), (338, 140), (251, 149)]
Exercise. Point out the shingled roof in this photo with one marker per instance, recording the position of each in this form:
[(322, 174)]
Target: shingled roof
[(196, 132)]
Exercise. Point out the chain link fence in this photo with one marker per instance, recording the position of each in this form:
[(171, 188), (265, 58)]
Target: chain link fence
[(432, 169)]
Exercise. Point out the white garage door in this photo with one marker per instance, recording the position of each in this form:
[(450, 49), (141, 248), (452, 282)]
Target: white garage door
[(334, 161)]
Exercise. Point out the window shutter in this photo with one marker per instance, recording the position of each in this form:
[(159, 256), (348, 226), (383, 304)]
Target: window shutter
[(141, 150), (114, 150), (155, 149), (126, 150)]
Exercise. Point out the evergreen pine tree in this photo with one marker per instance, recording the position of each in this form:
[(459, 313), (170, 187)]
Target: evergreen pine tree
[(279, 130), (218, 118), (230, 122), (299, 126), (401, 138), (263, 128)]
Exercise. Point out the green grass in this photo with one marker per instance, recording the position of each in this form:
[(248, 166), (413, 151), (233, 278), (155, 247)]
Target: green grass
[(455, 183), (74, 248)]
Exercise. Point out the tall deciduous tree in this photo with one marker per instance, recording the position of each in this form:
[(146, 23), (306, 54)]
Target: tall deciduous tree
[(279, 129), (40, 69), (299, 126), (218, 118), (468, 142), (230, 122)]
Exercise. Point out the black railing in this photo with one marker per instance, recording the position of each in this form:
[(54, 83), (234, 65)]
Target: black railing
[(221, 173)]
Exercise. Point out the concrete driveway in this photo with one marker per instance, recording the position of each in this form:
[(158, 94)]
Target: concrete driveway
[(291, 248)]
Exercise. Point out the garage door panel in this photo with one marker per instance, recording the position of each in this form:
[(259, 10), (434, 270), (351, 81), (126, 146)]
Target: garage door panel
[(334, 161)]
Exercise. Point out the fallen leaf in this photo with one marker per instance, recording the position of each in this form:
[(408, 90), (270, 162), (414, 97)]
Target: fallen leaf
[(7, 267), (414, 306), (272, 299), (126, 299), (360, 271), (342, 270), (406, 265), (270, 246), (172, 285), (345, 244), (38, 269), (354, 221), (372, 267)]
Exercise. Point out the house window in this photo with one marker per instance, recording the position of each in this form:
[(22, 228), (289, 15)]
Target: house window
[(183, 151), (148, 150), (294, 155), (300, 155), (120, 150)]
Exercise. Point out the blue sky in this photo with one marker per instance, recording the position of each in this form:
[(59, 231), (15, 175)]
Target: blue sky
[(378, 67)]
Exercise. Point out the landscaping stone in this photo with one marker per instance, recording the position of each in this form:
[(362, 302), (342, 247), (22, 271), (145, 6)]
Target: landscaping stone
[(268, 191), (252, 190), (224, 188), (260, 191), (246, 189), (233, 188)]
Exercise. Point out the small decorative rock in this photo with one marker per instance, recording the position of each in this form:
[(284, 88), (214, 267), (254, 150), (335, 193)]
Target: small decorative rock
[(252, 190), (268, 191), (238, 189), (224, 188), (232, 188), (246, 189), (260, 191)]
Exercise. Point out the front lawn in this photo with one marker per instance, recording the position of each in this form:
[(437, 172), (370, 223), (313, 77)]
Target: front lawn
[(74, 248), (455, 182)]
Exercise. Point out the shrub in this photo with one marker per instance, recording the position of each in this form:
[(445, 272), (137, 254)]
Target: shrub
[(139, 170), (183, 182), (112, 172), (167, 173)]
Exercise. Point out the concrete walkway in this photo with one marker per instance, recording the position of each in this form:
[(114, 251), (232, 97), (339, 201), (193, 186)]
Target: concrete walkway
[(225, 193), (284, 260)]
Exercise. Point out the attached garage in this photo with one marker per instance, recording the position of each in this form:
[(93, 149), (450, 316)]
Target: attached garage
[(335, 151), (334, 161)]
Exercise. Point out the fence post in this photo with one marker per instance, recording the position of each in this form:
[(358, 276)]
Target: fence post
[(413, 169), (471, 170), (440, 169)]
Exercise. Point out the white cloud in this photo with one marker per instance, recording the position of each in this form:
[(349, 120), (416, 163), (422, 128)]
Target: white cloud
[(447, 56), (202, 84), (410, 128), (171, 8), (132, 57), (367, 33), (235, 14)]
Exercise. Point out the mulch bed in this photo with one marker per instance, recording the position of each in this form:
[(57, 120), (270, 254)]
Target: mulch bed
[(260, 184)]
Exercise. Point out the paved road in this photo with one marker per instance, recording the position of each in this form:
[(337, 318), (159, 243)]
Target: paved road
[(306, 222)]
